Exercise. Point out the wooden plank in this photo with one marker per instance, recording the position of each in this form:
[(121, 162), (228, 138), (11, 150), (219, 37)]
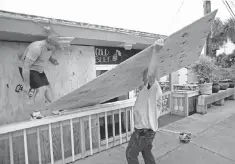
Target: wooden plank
[(83, 149), (51, 144), (120, 125), (62, 142), (132, 120), (181, 49), (72, 139), (94, 131), (67, 140), (26, 147), (4, 149), (106, 129), (76, 67), (113, 126), (90, 134), (186, 105), (56, 142), (11, 148), (18, 148), (39, 146), (98, 131), (126, 123), (45, 146)]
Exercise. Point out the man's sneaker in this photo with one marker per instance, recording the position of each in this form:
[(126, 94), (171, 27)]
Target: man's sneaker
[(36, 115), (58, 112)]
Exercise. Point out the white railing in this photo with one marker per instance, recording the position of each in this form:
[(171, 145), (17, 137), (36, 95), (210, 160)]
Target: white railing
[(66, 138)]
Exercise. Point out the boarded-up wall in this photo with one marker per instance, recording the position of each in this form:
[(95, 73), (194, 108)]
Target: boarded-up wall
[(76, 67)]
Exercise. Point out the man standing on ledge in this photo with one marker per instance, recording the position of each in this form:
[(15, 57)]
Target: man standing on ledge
[(146, 112), (32, 65)]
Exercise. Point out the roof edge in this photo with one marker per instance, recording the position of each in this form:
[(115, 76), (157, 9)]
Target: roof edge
[(13, 15)]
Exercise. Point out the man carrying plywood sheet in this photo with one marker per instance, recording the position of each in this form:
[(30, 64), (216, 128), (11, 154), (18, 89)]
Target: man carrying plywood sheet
[(146, 112)]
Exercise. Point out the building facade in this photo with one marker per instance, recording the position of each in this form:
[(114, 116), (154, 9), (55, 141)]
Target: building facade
[(94, 50)]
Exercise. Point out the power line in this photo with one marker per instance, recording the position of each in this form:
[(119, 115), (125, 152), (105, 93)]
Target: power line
[(230, 8), (179, 9), (173, 21), (227, 8)]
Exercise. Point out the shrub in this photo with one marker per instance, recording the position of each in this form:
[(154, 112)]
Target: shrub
[(204, 69)]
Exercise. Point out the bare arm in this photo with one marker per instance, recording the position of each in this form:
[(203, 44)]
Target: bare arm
[(152, 74)]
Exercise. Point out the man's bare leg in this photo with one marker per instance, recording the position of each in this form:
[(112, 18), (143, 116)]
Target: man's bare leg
[(39, 101), (40, 97), (49, 94), (44, 93)]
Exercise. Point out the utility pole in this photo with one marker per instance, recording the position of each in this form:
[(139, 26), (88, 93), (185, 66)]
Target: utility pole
[(207, 48)]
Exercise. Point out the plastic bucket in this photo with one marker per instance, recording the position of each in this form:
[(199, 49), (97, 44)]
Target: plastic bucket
[(205, 89)]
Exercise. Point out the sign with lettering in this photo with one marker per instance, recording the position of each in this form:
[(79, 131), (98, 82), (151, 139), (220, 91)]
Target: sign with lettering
[(113, 55)]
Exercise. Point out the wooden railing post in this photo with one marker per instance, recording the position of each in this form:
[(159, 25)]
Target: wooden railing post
[(171, 90), (120, 125), (51, 144), (25, 147), (72, 139), (132, 119), (106, 130), (11, 148), (171, 102), (62, 142), (186, 104)]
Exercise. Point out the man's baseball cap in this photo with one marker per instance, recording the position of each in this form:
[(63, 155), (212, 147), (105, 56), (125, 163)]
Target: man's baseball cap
[(60, 41)]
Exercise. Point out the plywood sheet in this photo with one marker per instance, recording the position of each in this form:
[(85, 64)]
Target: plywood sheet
[(76, 67), (181, 49)]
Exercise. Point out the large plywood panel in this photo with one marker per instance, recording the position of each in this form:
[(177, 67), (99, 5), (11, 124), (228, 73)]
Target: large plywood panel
[(180, 49), (76, 67)]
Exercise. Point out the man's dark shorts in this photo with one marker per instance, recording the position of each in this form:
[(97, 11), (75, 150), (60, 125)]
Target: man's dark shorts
[(37, 79)]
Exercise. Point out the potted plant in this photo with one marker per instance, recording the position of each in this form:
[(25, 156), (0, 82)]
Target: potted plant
[(226, 80), (203, 69), (224, 86), (231, 84), (215, 87)]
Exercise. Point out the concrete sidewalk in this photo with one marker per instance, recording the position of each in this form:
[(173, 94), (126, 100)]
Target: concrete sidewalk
[(213, 141)]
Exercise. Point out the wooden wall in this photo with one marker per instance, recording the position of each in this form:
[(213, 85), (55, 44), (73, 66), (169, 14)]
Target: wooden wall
[(77, 67)]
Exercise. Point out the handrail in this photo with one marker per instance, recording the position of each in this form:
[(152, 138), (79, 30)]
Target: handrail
[(78, 113)]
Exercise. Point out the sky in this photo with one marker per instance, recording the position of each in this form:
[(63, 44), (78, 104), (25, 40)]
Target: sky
[(154, 16)]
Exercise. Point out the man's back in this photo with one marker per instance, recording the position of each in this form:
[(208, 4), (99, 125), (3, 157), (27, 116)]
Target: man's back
[(38, 53)]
